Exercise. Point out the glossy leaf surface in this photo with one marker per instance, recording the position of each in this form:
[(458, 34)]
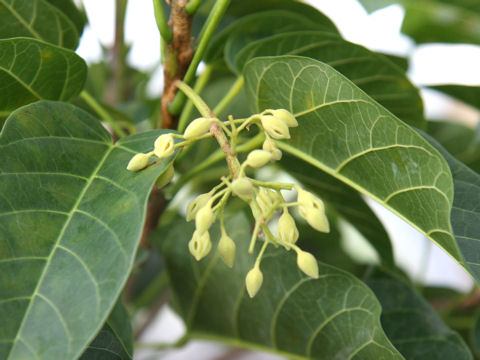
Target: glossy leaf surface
[(32, 70), (343, 132), (334, 316), (71, 216), (37, 19), (380, 78)]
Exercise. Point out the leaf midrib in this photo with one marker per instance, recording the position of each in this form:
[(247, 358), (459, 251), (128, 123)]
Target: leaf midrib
[(56, 245)]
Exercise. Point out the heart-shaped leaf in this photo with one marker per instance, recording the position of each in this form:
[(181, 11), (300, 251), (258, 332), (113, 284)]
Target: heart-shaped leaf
[(345, 133), (37, 19), (115, 340), (411, 324), (384, 81), (332, 317), (32, 70), (71, 217)]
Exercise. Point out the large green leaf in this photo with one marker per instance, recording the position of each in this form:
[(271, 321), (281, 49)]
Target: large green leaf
[(345, 201), (32, 70), (412, 325), (384, 81), (345, 133), (333, 317), (115, 340), (263, 24), (37, 19), (465, 216), (71, 217), (69, 8)]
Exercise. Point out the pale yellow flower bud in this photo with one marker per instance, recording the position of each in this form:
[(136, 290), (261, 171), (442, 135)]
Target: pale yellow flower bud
[(312, 209), (258, 158), (242, 187), (164, 146), (275, 127), (254, 281), (264, 201), (165, 178), (200, 245), (286, 116), (307, 263), (287, 230), (138, 162), (269, 146), (197, 127), (196, 204), (204, 218), (227, 248)]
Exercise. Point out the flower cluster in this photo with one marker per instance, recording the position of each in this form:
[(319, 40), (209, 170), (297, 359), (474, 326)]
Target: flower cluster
[(265, 199)]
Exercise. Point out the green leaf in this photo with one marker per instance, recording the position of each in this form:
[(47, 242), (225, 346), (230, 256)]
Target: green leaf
[(71, 217), (468, 94), (260, 25), (115, 340), (465, 216), (32, 70), (69, 8), (346, 201), (346, 134), (333, 317), (411, 324), (384, 81), (459, 140), (37, 19), (476, 335)]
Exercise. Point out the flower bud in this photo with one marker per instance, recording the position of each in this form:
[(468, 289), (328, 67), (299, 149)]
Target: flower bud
[(287, 230), (196, 204), (226, 248), (264, 201), (242, 187), (165, 178), (269, 146), (254, 281), (204, 218), (307, 263), (286, 116), (164, 146), (318, 220), (275, 127), (138, 162), (200, 245), (258, 158), (197, 127)]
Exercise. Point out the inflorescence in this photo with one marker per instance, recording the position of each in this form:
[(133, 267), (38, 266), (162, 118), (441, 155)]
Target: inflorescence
[(265, 199)]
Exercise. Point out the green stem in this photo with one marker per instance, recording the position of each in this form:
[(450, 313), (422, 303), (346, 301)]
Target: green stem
[(202, 80), (193, 6), (232, 94), (273, 185), (206, 34), (201, 106), (104, 115), (260, 254), (162, 24)]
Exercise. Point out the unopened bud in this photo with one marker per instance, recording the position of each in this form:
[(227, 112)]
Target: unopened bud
[(242, 187), (200, 245), (164, 146), (264, 201), (307, 263), (226, 248), (318, 220), (138, 162), (196, 204), (275, 127), (269, 146), (285, 115), (204, 218), (165, 178), (197, 127), (287, 230), (312, 209), (258, 158), (254, 281)]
